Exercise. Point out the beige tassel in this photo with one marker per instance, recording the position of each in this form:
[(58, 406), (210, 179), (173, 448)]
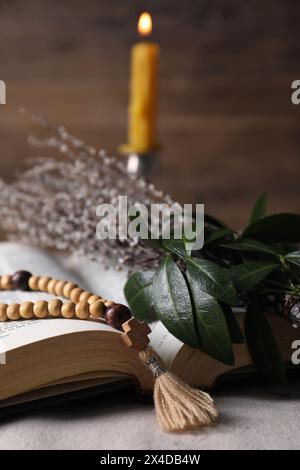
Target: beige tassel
[(179, 407)]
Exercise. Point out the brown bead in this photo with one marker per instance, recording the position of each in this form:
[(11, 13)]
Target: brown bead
[(108, 303), (82, 310), (97, 309), (13, 311), (33, 282), (75, 294), (26, 310), (20, 280), (3, 310), (54, 307), (69, 286), (6, 283), (59, 287), (51, 286), (116, 315), (68, 309), (40, 309), (93, 298)]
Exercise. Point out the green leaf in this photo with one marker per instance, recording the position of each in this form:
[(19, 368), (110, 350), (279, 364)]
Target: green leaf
[(282, 228), (211, 324), (235, 331), (253, 246), (212, 279), (217, 234), (172, 303), (262, 344), (294, 258), (248, 274), (259, 209), (137, 291), (177, 247)]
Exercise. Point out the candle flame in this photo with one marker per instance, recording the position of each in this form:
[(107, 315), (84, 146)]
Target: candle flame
[(145, 24)]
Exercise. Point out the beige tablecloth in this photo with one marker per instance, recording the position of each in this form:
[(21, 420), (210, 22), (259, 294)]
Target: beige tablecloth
[(250, 418)]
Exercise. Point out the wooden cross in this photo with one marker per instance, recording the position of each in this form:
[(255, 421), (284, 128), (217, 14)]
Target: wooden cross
[(135, 334)]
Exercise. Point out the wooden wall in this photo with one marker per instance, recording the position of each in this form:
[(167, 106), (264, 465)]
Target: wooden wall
[(227, 124)]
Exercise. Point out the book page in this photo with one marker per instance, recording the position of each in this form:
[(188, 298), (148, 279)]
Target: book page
[(15, 334), (99, 279), (164, 343), (93, 276), (15, 256)]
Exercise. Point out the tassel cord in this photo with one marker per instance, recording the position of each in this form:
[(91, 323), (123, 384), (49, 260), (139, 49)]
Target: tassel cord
[(179, 407)]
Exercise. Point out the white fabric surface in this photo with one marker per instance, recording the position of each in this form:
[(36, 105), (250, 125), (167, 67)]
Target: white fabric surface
[(252, 417)]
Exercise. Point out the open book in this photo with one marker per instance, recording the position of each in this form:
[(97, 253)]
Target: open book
[(51, 357)]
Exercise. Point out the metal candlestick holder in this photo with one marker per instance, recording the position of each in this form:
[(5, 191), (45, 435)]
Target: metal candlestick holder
[(140, 164)]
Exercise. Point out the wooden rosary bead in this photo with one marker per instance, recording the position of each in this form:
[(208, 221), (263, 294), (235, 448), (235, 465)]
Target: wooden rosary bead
[(82, 310), (69, 286), (33, 282), (6, 283), (43, 283), (68, 309), (85, 296), (97, 309), (51, 286), (116, 315), (75, 294), (26, 310), (54, 307), (13, 311), (40, 309), (3, 310), (59, 287), (83, 304), (20, 280), (93, 298)]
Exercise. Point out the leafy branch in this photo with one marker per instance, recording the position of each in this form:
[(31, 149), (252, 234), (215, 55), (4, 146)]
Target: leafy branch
[(196, 294)]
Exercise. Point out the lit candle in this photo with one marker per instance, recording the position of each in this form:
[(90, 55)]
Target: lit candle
[(143, 92)]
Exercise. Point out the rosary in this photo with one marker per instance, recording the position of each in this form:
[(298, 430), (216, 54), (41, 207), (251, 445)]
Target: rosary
[(179, 407)]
